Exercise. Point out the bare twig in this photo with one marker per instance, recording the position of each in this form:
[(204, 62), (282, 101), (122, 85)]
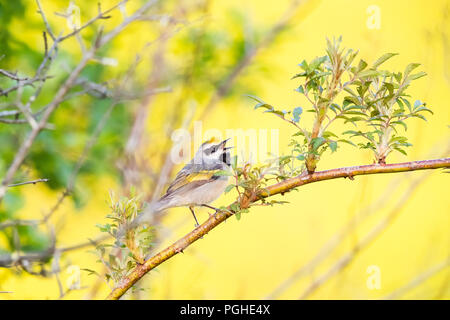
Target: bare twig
[(59, 96), (270, 36), (27, 182), (337, 239), (419, 280), (8, 260), (100, 16), (13, 223), (44, 18), (331, 244), (12, 75), (372, 235)]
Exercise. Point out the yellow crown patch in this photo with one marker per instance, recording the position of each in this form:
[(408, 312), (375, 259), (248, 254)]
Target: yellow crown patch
[(211, 140)]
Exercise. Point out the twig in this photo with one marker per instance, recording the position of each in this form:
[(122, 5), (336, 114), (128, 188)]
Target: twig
[(13, 223), (27, 182), (12, 75), (282, 187), (100, 15), (226, 85), (7, 260), (419, 280), (44, 18), (337, 239), (372, 235), (59, 97), (331, 244)]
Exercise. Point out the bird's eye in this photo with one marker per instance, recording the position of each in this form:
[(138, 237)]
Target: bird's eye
[(210, 150)]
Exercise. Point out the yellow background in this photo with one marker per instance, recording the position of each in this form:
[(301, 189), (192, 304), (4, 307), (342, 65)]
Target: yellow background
[(247, 259)]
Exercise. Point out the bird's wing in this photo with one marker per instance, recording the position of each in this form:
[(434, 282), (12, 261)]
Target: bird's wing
[(184, 178)]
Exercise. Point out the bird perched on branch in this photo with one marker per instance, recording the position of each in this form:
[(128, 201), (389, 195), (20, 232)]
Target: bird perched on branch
[(199, 183)]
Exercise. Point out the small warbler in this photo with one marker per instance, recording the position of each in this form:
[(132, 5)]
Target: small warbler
[(197, 183)]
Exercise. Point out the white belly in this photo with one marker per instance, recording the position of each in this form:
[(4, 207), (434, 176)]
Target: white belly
[(204, 194), (209, 192)]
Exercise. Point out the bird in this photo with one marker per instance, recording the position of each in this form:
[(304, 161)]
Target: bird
[(198, 183)]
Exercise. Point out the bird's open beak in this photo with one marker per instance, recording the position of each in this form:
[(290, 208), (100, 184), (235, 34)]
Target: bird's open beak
[(223, 143)]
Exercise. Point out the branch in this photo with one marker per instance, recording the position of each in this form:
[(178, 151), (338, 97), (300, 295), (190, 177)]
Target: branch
[(418, 280), (345, 260), (282, 187), (27, 182), (63, 90), (25, 260)]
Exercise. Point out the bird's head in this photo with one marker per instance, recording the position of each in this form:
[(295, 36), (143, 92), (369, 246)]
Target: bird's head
[(213, 152)]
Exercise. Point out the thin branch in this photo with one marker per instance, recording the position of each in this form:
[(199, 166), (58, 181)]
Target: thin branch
[(59, 97), (269, 37), (100, 15), (371, 236), (44, 18), (27, 182), (13, 223), (419, 279), (338, 238), (8, 260), (333, 243), (12, 75), (282, 187)]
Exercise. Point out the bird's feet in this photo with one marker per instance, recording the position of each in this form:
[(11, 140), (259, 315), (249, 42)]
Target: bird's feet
[(211, 207)]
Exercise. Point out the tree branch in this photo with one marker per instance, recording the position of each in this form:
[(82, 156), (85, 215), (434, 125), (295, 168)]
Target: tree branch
[(63, 90), (27, 182), (279, 188), (419, 280)]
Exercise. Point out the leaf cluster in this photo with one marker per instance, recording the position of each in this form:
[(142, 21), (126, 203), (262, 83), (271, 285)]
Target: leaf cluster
[(128, 250), (371, 99)]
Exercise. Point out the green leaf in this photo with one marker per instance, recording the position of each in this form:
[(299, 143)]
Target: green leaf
[(410, 67), (335, 107), (389, 87), (407, 103), (347, 141), (317, 62), (419, 116), (423, 109), (332, 145), (229, 188), (401, 123), (320, 74), (304, 65), (317, 142), (296, 114), (369, 73), (263, 105), (238, 216), (298, 75), (362, 65), (398, 76), (255, 98), (383, 59), (235, 207), (401, 151), (328, 134), (352, 132), (300, 89), (299, 133), (417, 104), (234, 162), (417, 75)]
